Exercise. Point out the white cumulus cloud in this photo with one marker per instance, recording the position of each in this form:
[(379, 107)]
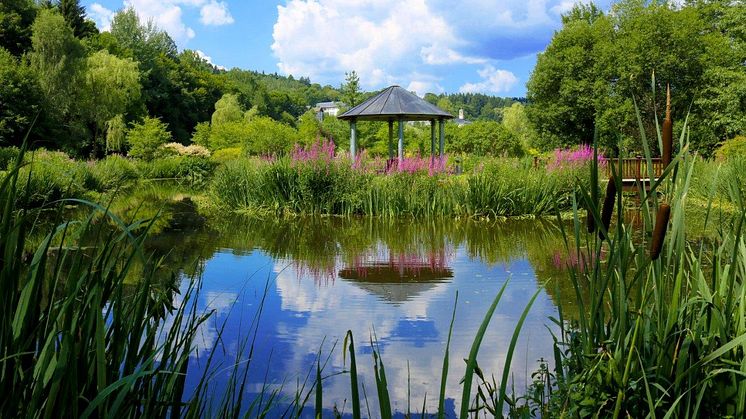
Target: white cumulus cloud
[(215, 13), (101, 15), (207, 58), (325, 38), (390, 41), (168, 15), (494, 81)]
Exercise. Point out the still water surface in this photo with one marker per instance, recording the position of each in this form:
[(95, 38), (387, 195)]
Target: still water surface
[(391, 281)]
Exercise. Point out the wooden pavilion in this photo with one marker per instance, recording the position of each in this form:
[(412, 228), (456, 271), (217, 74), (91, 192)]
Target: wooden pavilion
[(397, 104)]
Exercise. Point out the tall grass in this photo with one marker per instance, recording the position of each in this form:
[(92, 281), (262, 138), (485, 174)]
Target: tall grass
[(661, 330), (505, 187), (76, 340)]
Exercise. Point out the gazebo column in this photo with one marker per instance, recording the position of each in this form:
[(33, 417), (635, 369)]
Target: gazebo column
[(401, 140), (353, 139), (391, 139), (432, 142), (442, 126)]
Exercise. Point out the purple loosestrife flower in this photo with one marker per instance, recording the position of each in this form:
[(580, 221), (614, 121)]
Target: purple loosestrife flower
[(573, 158)]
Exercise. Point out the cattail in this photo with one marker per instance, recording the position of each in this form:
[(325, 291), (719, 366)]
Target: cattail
[(608, 207), (659, 233), (667, 130), (591, 222)]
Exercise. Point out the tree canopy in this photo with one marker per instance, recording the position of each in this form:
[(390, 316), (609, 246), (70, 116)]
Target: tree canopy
[(598, 65)]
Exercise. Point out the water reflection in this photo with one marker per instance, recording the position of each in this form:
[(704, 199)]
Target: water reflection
[(395, 279)]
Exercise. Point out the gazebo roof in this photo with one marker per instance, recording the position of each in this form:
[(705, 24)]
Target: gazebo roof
[(394, 103)]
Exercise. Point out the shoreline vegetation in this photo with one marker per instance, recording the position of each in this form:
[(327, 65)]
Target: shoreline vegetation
[(95, 326), (655, 330)]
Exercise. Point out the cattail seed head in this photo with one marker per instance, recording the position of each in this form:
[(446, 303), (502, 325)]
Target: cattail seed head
[(608, 207), (667, 131), (659, 232)]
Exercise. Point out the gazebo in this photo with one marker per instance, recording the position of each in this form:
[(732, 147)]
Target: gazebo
[(397, 104)]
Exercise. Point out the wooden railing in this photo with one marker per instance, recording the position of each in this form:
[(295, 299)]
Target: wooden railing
[(634, 168)]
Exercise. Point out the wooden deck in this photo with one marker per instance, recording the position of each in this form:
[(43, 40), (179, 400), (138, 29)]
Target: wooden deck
[(634, 170)]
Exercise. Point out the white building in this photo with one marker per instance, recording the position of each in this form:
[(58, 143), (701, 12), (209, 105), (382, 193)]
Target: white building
[(324, 109)]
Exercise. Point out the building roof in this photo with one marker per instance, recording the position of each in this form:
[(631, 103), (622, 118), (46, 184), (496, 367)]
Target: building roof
[(324, 105), (393, 103)]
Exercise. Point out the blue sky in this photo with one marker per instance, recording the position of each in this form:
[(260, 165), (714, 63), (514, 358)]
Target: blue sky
[(485, 46)]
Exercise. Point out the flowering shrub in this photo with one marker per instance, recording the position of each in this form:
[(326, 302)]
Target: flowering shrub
[(178, 149), (575, 158), (320, 150), (418, 164)]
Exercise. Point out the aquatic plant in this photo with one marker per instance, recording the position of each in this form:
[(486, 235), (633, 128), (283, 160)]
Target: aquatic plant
[(661, 330)]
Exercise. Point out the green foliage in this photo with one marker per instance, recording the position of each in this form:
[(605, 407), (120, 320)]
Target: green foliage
[(227, 109), (350, 89), (264, 135), (84, 340), (113, 172), (516, 122), (735, 147), (146, 137), (52, 175), (16, 17), (228, 134), (309, 128), (57, 60), (19, 98), (111, 84), (485, 138), (74, 15), (193, 168), (116, 134), (201, 134), (475, 105), (596, 63), (225, 155), (7, 155), (502, 187)]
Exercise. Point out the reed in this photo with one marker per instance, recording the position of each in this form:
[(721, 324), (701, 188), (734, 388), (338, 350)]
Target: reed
[(500, 188), (660, 333)]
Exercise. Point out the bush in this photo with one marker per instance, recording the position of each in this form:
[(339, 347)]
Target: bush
[(112, 172), (266, 136), (53, 175), (7, 155), (178, 149), (732, 148), (486, 138), (226, 154), (145, 138), (193, 168)]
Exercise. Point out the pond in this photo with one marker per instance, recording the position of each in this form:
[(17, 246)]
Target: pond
[(393, 283)]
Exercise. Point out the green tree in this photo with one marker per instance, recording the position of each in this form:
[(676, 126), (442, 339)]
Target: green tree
[(111, 85), (309, 127), (74, 15), (19, 98), (566, 82), (267, 136), (517, 123), (350, 89), (146, 137), (58, 61), (201, 135), (227, 109), (116, 134), (596, 64), (486, 138), (16, 17)]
